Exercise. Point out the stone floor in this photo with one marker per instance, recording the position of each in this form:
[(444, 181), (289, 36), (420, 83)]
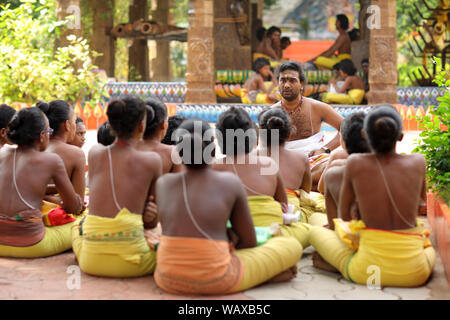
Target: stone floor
[(53, 278)]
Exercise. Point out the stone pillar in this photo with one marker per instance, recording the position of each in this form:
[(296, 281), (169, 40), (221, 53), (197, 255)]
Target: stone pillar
[(138, 58), (383, 53), (161, 64), (66, 8), (255, 22), (200, 74), (101, 40)]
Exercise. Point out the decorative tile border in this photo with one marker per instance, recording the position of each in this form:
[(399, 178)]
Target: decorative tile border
[(419, 96), (175, 92), (167, 92)]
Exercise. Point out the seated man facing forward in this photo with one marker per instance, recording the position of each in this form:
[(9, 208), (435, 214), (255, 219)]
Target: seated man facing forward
[(389, 235), (257, 89), (306, 116), (342, 45), (197, 253)]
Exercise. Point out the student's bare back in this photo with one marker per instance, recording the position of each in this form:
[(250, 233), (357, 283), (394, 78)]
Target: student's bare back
[(405, 175), (34, 170), (165, 152), (251, 175), (134, 174), (74, 161), (294, 170), (213, 198), (344, 44)]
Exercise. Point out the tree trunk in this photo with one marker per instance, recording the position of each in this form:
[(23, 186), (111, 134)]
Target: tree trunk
[(138, 58), (102, 42)]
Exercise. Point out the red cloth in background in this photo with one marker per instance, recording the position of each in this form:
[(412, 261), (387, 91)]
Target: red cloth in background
[(305, 50)]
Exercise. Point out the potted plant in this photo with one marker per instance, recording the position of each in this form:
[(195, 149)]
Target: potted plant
[(435, 146)]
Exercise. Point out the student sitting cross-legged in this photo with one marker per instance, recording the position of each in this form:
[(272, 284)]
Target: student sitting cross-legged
[(24, 175), (110, 240), (385, 235), (197, 253)]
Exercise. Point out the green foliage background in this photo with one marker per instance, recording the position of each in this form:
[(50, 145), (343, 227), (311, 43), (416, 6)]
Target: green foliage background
[(406, 29), (435, 138), (31, 68)]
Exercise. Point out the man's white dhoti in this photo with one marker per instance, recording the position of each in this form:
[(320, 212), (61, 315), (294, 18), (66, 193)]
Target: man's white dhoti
[(307, 145)]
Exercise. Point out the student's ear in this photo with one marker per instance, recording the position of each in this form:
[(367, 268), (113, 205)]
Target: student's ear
[(142, 125), (363, 134), (3, 133), (67, 125), (401, 137)]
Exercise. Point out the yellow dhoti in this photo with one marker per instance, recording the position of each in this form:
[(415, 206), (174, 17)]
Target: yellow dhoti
[(257, 96), (312, 207), (56, 240), (265, 211), (401, 258), (329, 62), (354, 96), (273, 63), (25, 236), (113, 247)]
